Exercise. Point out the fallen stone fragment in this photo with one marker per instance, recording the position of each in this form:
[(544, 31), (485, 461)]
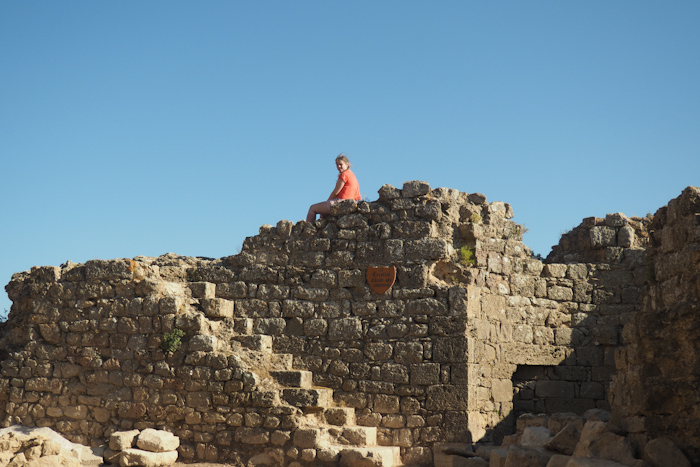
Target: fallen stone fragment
[(157, 440), (558, 421), (37, 444), (111, 457), (139, 458), (598, 442), (526, 457), (121, 440), (566, 440), (535, 436), (661, 452), (498, 457)]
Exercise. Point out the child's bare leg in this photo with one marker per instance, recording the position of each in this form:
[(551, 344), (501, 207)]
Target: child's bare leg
[(322, 208)]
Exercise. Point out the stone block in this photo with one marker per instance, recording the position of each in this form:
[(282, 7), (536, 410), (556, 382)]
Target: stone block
[(360, 435), (339, 416), (378, 351), (408, 352), (394, 373), (259, 342), (426, 306), (227, 290), (140, 458), (561, 389), (200, 399), (259, 273), (415, 188), (388, 192), (565, 440), (376, 387), (384, 456), (76, 412), (351, 278), (107, 270), (603, 236), (345, 329), (663, 451), (597, 441), (535, 436), (497, 457), (443, 397), (577, 405), (217, 308), (269, 326), (310, 293), (617, 219), (501, 390), (393, 250), (110, 456), (293, 378), (157, 440), (255, 436), (592, 391), (202, 289), (412, 277), (450, 349), (518, 456), (426, 249), (560, 294), (370, 252), (272, 292), (560, 420), (121, 440), (306, 438), (554, 270), (430, 209), (202, 343), (364, 309), (308, 397), (385, 403)]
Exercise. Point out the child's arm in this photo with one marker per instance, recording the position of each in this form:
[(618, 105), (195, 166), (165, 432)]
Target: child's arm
[(338, 186)]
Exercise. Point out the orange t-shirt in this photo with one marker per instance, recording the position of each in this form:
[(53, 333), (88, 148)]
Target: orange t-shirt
[(351, 189)]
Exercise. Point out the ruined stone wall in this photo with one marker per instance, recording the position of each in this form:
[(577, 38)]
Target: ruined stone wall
[(432, 360), (545, 334), (655, 391)]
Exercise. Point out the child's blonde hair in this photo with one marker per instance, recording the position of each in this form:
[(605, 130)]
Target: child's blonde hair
[(342, 157)]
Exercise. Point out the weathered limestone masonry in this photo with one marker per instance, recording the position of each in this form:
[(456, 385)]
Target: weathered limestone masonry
[(289, 357), (656, 391)]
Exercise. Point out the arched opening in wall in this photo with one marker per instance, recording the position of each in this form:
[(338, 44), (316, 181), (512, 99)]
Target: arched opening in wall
[(552, 389)]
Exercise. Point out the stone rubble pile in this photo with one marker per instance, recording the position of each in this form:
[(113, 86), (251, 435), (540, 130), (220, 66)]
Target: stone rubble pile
[(566, 440), (147, 448), (42, 447)]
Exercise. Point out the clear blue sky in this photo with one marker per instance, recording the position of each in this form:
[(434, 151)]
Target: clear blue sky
[(140, 128)]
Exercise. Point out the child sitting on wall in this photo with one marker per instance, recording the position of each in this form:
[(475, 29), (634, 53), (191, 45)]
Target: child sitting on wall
[(346, 187)]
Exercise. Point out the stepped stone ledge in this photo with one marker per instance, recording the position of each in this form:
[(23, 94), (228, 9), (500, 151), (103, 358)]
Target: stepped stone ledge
[(286, 354)]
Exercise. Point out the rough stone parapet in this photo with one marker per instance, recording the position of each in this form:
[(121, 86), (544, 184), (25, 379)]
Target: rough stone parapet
[(603, 240)]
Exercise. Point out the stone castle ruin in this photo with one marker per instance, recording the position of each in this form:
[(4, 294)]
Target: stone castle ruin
[(284, 355)]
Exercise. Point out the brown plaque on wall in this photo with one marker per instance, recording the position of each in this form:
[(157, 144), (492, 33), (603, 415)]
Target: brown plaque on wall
[(381, 278)]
